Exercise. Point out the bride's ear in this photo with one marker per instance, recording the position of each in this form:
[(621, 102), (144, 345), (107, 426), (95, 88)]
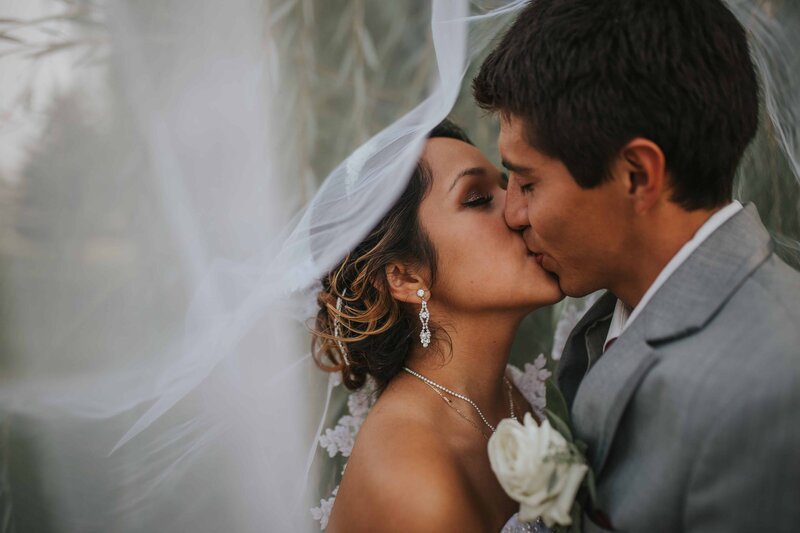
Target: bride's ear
[(404, 282)]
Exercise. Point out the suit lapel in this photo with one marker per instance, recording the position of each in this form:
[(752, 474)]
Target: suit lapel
[(700, 287), (607, 389), (689, 299)]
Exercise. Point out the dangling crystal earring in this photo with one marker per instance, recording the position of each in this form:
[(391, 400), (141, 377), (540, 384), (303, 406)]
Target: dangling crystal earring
[(424, 315)]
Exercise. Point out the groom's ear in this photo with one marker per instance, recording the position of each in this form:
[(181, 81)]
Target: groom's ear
[(404, 281), (641, 168)]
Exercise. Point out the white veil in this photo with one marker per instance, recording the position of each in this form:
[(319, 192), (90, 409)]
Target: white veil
[(156, 373), (157, 270)]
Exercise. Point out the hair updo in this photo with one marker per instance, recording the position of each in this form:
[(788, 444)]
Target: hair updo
[(375, 329)]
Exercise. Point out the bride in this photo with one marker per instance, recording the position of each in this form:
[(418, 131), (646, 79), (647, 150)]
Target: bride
[(427, 307)]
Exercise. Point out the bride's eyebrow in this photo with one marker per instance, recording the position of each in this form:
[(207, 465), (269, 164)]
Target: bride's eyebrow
[(472, 171)]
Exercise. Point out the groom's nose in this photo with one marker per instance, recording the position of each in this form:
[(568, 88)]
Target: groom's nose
[(516, 208)]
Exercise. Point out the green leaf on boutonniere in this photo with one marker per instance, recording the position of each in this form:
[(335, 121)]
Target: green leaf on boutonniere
[(559, 425), (591, 488), (557, 411), (581, 446), (555, 401)]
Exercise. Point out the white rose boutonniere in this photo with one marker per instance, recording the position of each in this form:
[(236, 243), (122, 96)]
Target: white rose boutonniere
[(542, 468), (533, 465)]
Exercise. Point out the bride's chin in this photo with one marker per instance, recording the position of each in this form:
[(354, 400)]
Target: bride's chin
[(547, 287), (558, 294)]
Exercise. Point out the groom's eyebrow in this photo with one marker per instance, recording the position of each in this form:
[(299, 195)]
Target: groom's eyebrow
[(472, 171), (517, 169)]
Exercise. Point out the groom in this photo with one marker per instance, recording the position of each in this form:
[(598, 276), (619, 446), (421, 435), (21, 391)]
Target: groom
[(622, 125)]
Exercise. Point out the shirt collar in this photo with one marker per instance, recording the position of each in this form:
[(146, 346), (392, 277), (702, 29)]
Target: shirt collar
[(624, 315)]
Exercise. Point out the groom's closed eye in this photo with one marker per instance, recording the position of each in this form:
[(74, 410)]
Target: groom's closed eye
[(525, 177)]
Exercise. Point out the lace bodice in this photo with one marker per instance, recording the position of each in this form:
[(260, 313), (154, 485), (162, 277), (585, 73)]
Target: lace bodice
[(531, 383)]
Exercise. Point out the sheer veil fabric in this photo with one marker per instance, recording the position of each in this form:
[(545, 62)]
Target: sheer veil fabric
[(158, 271), (159, 373)]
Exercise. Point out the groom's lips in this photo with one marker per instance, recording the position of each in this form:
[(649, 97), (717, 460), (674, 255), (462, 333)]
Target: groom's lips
[(537, 257)]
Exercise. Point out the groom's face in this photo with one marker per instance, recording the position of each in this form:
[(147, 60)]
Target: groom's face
[(578, 234)]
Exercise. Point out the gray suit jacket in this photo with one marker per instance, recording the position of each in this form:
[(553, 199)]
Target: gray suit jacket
[(693, 416)]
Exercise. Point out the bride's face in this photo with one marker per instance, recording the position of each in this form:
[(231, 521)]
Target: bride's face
[(482, 265)]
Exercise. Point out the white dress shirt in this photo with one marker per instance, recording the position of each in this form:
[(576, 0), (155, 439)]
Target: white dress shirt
[(624, 315)]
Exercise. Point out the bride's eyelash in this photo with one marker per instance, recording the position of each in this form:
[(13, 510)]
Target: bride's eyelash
[(477, 199)]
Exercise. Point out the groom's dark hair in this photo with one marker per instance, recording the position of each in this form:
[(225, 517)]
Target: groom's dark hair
[(587, 76)]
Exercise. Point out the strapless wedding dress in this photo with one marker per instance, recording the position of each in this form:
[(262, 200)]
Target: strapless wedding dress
[(531, 383)]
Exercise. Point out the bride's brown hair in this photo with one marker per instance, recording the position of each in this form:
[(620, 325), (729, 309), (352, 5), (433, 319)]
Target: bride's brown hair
[(376, 330)]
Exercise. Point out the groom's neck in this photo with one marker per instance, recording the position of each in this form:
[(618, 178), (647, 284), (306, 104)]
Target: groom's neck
[(654, 241)]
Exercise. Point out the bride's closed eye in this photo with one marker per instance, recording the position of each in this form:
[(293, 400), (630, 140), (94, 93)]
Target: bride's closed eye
[(477, 199)]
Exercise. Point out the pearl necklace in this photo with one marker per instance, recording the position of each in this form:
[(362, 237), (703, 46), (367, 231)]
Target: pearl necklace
[(435, 385)]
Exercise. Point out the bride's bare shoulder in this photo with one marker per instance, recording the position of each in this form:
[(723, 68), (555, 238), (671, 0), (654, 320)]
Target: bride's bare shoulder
[(402, 476)]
